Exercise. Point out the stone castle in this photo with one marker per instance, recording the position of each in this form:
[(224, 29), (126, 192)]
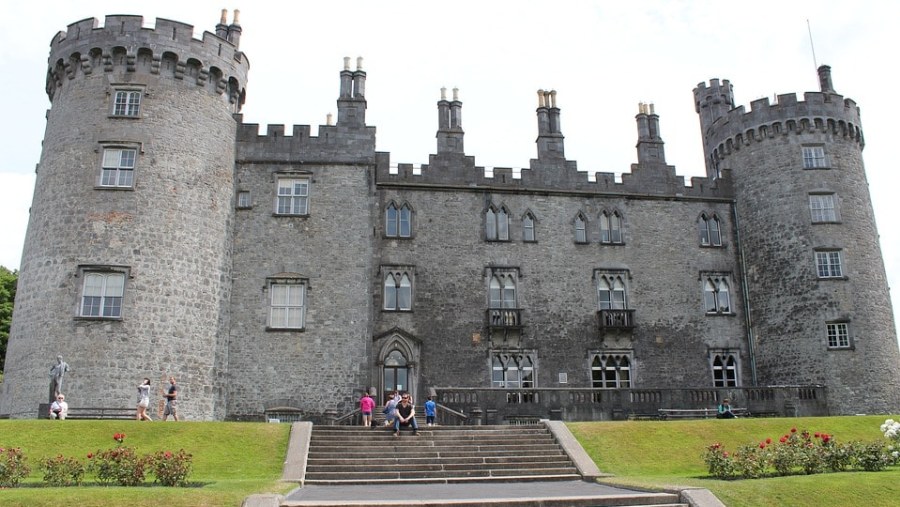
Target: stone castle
[(279, 275)]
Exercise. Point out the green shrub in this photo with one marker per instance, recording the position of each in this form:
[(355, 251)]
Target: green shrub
[(13, 467), (62, 471), (120, 466), (171, 469)]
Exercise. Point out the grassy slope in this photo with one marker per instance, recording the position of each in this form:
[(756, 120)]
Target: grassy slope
[(660, 453), (231, 460)]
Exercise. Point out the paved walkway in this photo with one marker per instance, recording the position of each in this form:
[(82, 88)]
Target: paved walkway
[(424, 493)]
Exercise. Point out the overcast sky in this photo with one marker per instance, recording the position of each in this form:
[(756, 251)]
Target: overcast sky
[(601, 57)]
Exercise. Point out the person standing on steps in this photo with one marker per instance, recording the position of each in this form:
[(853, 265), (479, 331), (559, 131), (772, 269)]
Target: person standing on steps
[(143, 401), (171, 401), (366, 406), (405, 416), (390, 407), (430, 411)]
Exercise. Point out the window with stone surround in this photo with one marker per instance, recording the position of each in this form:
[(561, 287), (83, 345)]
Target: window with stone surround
[(716, 293), (611, 370), (528, 235), (127, 103), (710, 230), (496, 223), (838, 335), (725, 368), (117, 167), (287, 302), (580, 225), (398, 221), (828, 264), (611, 292), (814, 157), (513, 370), (822, 209), (293, 196), (611, 228), (102, 291), (243, 200), (397, 293)]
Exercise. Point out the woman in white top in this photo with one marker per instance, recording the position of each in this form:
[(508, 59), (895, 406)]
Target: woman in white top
[(143, 401)]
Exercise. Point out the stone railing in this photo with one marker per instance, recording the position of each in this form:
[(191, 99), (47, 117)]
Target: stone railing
[(615, 319), (504, 318), (502, 406)]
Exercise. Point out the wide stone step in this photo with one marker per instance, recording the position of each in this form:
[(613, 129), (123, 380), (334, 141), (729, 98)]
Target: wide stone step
[(431, 453), (363, 467), (387, 437), (439, 474), (375, 461), (399, 444)]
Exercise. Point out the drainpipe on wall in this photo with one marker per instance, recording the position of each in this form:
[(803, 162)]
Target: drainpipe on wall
[(746, 294)]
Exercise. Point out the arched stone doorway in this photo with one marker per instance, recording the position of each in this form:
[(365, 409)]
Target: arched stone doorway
[(396, 363)]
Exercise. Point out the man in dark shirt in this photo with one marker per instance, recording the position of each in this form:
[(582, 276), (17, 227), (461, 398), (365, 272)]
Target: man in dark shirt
[(171, 403), (405, 416)]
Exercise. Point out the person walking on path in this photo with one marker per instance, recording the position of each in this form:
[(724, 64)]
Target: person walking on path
[(171, 401), (366, 406), (405, 416), (143, 401)]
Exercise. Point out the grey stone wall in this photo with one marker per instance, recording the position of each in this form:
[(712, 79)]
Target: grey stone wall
[(790, 303), (170, 232)]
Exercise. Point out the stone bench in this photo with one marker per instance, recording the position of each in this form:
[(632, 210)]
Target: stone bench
[(100, 413), (697, 413)]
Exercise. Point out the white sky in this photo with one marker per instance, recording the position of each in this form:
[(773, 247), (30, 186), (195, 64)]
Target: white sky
[(602, 58)]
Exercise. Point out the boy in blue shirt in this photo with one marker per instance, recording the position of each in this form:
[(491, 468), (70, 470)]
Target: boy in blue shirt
[(430, 411)]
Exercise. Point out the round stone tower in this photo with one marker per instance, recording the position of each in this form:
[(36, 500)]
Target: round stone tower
[(126, 269), (819, 302)]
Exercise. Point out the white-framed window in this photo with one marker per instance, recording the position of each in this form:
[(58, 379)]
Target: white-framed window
[(821, 208), (512, 370), (243, 199), (293, 196), (580, 229), (724, 368), (828, 264), (611, 370), (502, 291), (496, 224), (814, 157), (127, 103), (287, 303), (710, 230), (398, 221), (716, 293), (528, 235), (611, 228), (397, 290), (102, 294), (611, 290), (118, 167), (838, 335)]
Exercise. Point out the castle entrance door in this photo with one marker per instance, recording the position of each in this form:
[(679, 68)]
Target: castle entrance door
[(396, 372)]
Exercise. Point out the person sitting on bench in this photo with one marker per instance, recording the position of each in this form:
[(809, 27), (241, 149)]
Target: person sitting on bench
[(725, 410)]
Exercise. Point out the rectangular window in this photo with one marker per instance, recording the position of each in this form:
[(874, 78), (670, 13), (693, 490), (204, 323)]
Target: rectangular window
[(716, 293), (821, 208), (814, 157), (828, 264), (127, 103), (293, 197), (512, 371), (288, 304), (838, 335), (118, 167), (102, 294), (243, 199), (725, 368)]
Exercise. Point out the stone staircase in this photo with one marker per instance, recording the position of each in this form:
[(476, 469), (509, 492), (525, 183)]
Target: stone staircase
[(356, 455)]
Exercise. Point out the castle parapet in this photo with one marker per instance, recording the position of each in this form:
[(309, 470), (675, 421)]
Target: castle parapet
[(335, 144), (168, 49)]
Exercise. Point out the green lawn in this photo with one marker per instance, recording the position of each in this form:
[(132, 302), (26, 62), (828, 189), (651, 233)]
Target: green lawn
[(656, 454), (231, 460)]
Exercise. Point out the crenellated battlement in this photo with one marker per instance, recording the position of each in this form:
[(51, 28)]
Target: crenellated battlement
[(334, 144), (643, 181), (169, 49)]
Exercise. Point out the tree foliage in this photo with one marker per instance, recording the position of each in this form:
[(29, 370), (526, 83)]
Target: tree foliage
[(8, 281)]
